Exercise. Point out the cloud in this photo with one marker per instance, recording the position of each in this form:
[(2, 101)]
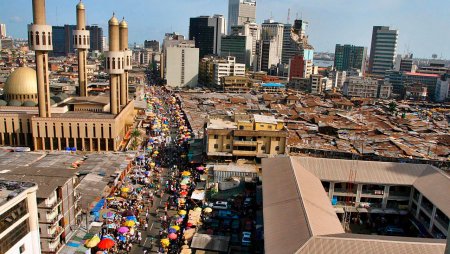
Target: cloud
[(16, 19)]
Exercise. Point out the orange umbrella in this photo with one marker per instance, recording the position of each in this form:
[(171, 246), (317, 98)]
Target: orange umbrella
[(106, 243)]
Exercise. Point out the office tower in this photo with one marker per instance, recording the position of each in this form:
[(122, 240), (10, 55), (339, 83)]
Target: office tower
[(173, 40), (182, 66), (207, 33), (153, 45), (81, 42), (2, 31), (271, 34), (382, 50), (127, 54), (239, 46), (253, 31), (404, 63), (97, 42), (40, 40), (348, 57), (240, 12), (295, 42), (114, 66)]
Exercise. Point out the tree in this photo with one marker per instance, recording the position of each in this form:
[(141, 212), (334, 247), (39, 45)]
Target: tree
[(134, 135), (392, 106)]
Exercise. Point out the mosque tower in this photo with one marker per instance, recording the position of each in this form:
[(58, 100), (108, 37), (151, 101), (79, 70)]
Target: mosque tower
[(81, 41), (40, 40), (127, 63), (114, 64)]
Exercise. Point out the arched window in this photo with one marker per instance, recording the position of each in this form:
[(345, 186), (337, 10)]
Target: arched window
[(49, 38), (89, 40), (75, 40), (113, 63), (118, 63), (31, 38), (84, 40), (44, 40), (79, 40), (123, 62), (37, 38), (107, 63)]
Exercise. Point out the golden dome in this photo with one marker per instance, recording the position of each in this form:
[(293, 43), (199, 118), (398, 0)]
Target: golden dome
[(21, 82), (113, 21), (123, 23), (80, 6)]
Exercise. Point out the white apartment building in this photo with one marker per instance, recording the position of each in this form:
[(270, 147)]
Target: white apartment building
[(229, 67), (182, 66), (274, 31), (18, 218)]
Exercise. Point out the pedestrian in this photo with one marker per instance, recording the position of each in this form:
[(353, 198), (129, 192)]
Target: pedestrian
[(146, 226)]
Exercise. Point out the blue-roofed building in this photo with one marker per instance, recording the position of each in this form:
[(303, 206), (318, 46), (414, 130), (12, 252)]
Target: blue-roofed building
[(273, 88)]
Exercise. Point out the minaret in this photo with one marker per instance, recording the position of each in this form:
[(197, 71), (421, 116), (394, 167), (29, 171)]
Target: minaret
[(40, 40), (127, 63), (81, 39), (114, 63)]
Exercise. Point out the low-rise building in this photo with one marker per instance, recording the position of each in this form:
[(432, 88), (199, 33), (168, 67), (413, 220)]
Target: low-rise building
[(235, 84), (246, 136), (367, 88), (274, 88), (19, 227)]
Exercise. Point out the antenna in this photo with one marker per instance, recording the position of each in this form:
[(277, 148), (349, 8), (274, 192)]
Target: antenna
[(296, 16), (289, 16)]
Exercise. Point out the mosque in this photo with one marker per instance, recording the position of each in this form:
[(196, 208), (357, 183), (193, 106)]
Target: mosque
[(30, 118)]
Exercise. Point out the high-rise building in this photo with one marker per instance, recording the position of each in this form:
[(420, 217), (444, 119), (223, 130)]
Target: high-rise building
[(238, 46), (404, 63), (63, 43), (272, 43), (295, 40), (97, 42), (254, 32), (269, 56), (173, 40), (382, 50), (240, 12), (347, 57), (182, 66), (2, 31), (153, 45), (207, 33)]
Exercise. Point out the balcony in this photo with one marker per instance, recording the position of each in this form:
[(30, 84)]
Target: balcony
[(56, 232), (56, 202), (53, 219), (399, 194), (244, 153), (77, 197), (345, 192), (244, 143), (373, 192), (78, 210)]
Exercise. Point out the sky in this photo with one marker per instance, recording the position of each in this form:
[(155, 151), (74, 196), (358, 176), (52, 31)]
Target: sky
[(423, 25)]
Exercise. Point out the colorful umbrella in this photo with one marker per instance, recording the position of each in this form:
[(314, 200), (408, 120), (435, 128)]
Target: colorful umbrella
[(200, 168), (129, 223), (175, 227), (106, 244), (182, 212), (183, 193), (123, 230), (198, 209), (172, 230), (91, 243), (125, 189), (132, 217), (165, 242), (172, 236), (207, 210), (186, 173)]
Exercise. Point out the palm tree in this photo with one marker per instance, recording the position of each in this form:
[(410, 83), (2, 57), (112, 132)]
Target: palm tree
[(392, 107), (134, 135)]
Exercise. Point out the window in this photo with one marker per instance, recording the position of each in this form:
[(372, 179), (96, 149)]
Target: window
[(277, 148), (278, 139), (22, 249), (49, 38), (261, 125), (216, 137), (228, 146), (228, 137), (113, 63), (241, 127), (44, 41), (216, 146), (263, 148), (37, 38), (270, 126)]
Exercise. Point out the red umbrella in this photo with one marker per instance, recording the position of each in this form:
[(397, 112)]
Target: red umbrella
[(106, 243), (183, 193), (189, 224), (172, 236)]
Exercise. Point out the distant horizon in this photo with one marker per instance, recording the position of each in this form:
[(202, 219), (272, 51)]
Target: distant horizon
[(330, 22)]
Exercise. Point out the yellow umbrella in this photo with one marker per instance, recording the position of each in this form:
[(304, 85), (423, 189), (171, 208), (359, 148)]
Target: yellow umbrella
[(155, 152), (197, 209), (91, 243), (165, 242), (125, 189), (207, 210), (186, 173), (129, 223), (175, 227), (182, 212)]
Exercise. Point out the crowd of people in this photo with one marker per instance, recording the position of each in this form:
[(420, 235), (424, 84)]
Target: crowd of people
[(160, 168)]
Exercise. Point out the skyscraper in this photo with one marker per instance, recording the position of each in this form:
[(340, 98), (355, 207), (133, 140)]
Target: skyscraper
[(96, 37), (63, 43), (239, 46), (349, 57), (207, 33), (271, 34), (295, 41), (382, 50), (2, 31), (253, 31), (240, 12)]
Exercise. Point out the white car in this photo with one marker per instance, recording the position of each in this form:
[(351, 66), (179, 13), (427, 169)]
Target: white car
[(246, 238), (220, 205)]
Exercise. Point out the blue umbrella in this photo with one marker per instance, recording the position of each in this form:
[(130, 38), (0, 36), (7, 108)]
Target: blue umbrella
[(109, 237), (122, 238), (133, 218), (172, 230)]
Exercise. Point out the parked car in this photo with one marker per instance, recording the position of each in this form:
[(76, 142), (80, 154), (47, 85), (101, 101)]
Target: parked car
[(246, 238), (220, 205)]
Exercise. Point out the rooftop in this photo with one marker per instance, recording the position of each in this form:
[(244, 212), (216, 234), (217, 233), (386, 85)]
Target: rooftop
[(10, 189)]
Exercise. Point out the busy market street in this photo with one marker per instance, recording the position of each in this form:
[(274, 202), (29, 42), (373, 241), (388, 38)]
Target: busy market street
[(150, 211)]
